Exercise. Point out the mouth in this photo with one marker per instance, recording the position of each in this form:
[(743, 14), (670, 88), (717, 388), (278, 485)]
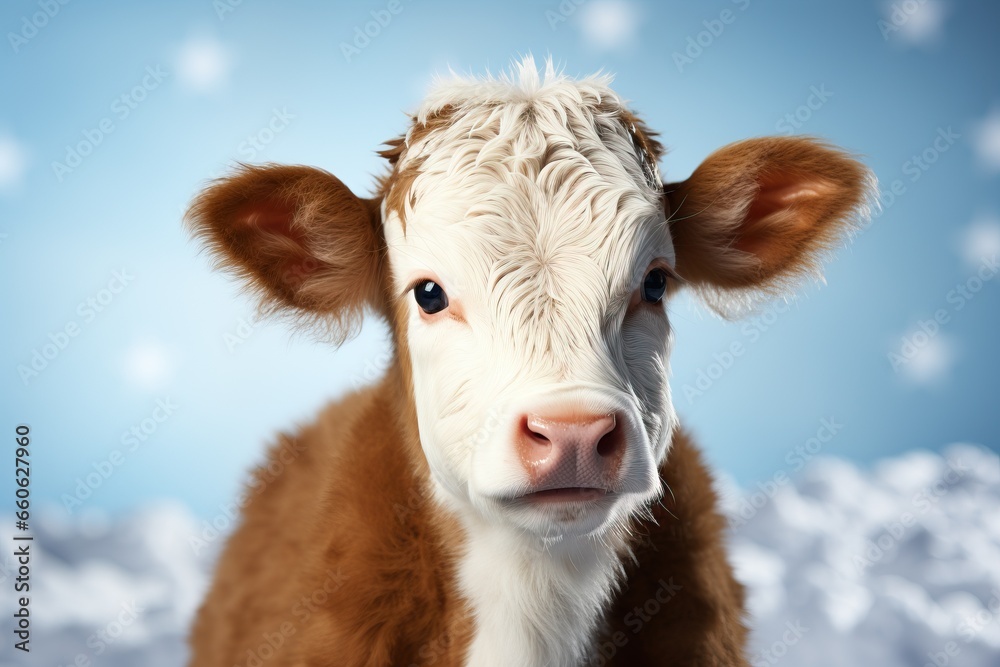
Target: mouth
[(573, 494)]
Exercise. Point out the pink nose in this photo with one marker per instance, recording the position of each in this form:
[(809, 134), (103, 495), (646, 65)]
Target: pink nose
[(570, 451)]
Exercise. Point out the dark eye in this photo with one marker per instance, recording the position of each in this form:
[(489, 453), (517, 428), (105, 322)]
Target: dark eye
[(430, 297), (654, 285)]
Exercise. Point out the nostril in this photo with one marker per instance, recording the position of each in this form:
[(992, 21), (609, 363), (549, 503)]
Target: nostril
[(606, 447), (610, 443), (533, 432)]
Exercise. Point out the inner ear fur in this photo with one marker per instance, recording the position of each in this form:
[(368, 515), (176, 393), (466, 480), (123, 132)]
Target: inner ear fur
[(299, 240), (758, 215)]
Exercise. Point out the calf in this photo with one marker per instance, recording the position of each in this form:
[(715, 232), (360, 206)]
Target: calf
[(516, 490)]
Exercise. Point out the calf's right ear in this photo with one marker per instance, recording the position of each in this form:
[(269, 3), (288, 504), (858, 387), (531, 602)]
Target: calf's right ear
[(299, 239)]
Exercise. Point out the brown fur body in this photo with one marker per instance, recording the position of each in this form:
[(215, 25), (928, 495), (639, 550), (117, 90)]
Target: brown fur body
[(337, 574)]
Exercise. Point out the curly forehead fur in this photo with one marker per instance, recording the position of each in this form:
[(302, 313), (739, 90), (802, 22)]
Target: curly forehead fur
[(522, 122), (541, 177)]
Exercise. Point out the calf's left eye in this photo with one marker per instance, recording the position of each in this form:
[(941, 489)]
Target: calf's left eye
[(430, 297), (654, 286)]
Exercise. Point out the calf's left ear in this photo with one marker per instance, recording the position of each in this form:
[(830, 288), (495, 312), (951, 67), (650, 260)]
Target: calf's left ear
[(758, 214), (299, 239)]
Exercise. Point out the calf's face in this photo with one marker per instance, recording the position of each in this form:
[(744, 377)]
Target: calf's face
[(523, 248), (531, 258)]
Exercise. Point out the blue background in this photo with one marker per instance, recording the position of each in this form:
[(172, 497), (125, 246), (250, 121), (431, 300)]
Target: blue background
[(62, 236)]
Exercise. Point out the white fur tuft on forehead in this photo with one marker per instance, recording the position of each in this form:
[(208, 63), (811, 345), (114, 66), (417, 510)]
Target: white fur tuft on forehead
[(521, 83), (570, 143), (534, 113)]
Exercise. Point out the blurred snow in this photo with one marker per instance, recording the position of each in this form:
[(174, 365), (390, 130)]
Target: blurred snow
[(981, 239), (120, 593), (148, 364), (13, 163), (931, 362), (203, 64), (987, 140), (882, 567), (919, 22), (609, 25), (896, 566)]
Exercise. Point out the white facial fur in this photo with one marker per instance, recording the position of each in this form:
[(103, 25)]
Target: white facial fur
[(532, 210)]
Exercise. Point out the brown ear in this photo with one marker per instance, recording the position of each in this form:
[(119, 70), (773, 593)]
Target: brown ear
[(758, 214), (299, 239)]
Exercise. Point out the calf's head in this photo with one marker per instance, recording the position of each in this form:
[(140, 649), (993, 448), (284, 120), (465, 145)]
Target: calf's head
[(523, 248)]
